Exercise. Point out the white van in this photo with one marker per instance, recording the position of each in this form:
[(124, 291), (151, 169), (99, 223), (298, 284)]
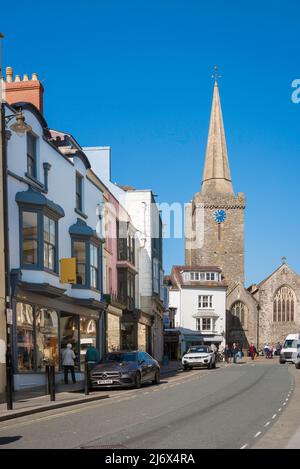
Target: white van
[(290, 349)]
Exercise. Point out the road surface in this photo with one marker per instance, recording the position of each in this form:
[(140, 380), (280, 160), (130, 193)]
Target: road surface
[(230, 407)]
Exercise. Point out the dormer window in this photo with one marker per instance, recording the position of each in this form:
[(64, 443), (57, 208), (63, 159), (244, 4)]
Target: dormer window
[(201, 276), (31, 155)]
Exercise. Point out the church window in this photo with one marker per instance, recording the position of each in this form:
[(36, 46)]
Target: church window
[(238, 311), (283, 305)]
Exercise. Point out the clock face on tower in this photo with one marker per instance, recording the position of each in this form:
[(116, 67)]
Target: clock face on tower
[(220, 216)]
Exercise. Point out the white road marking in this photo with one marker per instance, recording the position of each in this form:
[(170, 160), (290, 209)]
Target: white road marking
[(244, 446), (274, 416), (279, 410), (257, 434), (266, 424), (284, 403), (287, 399)]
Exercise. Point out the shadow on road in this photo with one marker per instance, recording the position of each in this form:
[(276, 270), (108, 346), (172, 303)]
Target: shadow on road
[(5, 440)]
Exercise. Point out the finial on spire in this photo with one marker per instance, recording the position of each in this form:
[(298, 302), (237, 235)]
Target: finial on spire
[(216, 75), (283, 260)]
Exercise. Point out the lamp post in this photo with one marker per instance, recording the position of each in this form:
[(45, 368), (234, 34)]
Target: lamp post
[(257, 326), (20, 127)]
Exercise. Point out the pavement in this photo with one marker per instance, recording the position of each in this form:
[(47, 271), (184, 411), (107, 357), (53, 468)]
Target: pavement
[(33, 401), (234, 406)]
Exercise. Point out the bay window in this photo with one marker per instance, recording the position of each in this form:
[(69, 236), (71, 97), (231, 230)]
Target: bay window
[(30, 238), (39, 243), (87, 256)]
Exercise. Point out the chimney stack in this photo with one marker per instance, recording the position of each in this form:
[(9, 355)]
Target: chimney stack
[(27, 90)]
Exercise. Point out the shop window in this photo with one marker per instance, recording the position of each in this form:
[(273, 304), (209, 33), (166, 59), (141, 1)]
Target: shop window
[(128, 333), (46, 338), (25, 337)]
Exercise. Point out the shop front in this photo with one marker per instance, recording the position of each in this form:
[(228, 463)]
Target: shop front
[(136, 331), (113, 328), (43, 325)]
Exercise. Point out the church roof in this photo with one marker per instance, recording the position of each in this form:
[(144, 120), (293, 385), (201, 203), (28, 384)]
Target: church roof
[(216, 175)]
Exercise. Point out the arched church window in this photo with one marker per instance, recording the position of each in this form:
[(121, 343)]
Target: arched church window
[(238, 312), (284, 305)]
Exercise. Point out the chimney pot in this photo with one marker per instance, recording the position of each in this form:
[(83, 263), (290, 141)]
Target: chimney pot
[(25, 77), (34, 77), (17, 78), (9, 74)]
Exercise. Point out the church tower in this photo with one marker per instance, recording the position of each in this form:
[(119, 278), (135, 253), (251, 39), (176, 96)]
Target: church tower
[(215, 217)]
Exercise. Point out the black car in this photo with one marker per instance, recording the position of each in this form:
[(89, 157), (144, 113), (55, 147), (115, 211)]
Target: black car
[(125, 369)]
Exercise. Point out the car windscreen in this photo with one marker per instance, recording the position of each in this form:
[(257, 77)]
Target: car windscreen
[(198, 350), (290, 343), (121, 357)]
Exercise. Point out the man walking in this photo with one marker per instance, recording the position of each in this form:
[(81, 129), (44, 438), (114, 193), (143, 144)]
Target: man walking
[(252, 351), (227, 354), (234, 352)]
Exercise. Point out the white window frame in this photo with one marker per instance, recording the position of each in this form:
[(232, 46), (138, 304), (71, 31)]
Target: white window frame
[(205, 300)]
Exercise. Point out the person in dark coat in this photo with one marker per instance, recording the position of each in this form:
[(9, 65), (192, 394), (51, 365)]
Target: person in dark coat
[(235, 352), (227, 353)]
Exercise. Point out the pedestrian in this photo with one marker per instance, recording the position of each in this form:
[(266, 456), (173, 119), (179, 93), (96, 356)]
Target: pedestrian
[(227, 354), (68, 363), (252, 351), (266, 351), (92, 356), (270, 352), (235, 352)]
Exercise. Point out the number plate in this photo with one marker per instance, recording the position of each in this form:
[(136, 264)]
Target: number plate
[(105, 381)]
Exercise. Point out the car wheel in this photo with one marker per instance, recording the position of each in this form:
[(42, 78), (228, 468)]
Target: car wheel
[(282, 362), (185, 367), (138, 382), (156, 379), (209, 366), (297, 365), (214, 365)]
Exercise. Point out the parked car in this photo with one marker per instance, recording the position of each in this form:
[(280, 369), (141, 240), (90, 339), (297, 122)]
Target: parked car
[(199, 356), (125, 369)]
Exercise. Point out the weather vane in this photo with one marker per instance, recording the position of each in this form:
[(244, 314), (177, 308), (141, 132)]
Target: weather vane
[(216, 75)]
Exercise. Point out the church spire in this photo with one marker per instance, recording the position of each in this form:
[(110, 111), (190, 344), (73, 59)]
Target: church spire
[(216, 176)]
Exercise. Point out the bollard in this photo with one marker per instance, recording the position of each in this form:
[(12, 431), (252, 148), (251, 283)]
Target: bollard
[(52, 383), (86, 379), (9, 397)]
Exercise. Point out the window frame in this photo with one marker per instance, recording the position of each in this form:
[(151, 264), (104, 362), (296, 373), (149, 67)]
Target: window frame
[(34, 157), (210, 302), (79, 177), (88, 242), (40, 265)]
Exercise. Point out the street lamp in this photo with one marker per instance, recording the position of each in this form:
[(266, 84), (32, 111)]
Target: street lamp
[(257, 326), (20, 127)]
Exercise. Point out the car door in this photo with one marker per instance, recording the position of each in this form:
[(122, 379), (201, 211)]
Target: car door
[(151, 366), (143, 366)]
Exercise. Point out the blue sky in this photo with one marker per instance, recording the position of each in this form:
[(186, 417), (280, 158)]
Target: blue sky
[(136, 75)]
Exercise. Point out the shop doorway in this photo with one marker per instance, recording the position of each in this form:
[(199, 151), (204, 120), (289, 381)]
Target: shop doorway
[(69, 334)]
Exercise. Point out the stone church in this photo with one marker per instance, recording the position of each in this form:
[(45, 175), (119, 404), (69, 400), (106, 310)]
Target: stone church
[(263, 313)]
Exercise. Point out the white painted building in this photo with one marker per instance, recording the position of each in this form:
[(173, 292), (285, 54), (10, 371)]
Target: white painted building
[(145, 216), (198, 297), (53, 214)]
